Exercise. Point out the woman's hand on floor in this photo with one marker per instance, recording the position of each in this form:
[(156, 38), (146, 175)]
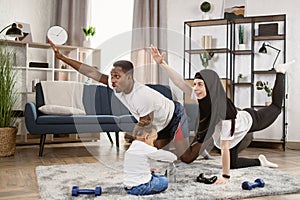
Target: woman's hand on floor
[(221, 180)]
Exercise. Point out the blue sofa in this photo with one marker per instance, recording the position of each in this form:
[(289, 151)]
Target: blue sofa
[(104, 113)]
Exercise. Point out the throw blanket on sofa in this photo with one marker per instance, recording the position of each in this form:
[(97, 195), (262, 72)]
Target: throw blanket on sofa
[(62, 98)]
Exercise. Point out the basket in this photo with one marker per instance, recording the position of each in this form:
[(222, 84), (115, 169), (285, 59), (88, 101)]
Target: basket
[(8, 141)]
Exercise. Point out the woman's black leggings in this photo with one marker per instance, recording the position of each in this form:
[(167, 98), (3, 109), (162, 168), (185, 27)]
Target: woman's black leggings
[(262, 118)]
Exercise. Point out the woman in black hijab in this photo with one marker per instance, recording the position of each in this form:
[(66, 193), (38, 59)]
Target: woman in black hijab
[(221, 121)]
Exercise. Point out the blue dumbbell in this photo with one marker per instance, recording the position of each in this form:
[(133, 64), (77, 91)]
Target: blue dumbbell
[(257, 183), (76, 191)]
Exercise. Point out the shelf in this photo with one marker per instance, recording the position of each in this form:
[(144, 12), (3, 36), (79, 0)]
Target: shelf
[(198, 51), (274, 37), (242, 52), (65, 70), (207, 22), (264, 72), (19, 67), (259, 19), (24, 93), (39, 69), (243, 84)]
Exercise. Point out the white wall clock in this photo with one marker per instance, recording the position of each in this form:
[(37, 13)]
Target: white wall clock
[(57, 34)]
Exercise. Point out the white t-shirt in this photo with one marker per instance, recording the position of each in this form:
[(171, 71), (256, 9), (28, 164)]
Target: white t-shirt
[(143, 100), (137, 162), (243, 123)]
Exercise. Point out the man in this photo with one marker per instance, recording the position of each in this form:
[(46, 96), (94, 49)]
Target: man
[(144, 103)]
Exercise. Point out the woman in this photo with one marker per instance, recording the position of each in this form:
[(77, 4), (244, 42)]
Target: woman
[(220, 120)]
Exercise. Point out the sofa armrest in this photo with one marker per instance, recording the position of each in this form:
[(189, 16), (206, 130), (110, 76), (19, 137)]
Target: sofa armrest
[(30, 115)]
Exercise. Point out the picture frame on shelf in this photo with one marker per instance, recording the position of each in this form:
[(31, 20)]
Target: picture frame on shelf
[(234, 9), (26, 29)]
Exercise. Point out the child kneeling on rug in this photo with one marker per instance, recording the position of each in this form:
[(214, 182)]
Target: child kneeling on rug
[(139, 178)]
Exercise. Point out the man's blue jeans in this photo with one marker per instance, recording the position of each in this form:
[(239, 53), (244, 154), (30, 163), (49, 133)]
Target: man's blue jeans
[(158, 183)]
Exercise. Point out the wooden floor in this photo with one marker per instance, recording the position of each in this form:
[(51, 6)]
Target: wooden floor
[(18, 179)]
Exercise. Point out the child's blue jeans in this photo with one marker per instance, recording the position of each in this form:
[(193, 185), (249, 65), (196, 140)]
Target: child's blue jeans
[(158, 183)]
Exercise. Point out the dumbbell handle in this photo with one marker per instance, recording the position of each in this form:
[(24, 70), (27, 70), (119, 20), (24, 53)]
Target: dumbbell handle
[(76, 191), (86, 191)]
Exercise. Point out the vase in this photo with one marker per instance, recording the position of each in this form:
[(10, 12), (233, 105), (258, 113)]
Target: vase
[(242, 46), (87, 42), (268, 100), (205, 16)]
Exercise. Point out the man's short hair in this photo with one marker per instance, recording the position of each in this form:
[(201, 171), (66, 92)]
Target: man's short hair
[(126, 66)]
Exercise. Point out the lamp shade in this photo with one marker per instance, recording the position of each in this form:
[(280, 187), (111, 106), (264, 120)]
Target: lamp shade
[(14, 31), (263, 48)]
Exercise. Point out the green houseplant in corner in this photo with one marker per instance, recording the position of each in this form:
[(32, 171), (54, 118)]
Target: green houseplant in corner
[(8, 98)]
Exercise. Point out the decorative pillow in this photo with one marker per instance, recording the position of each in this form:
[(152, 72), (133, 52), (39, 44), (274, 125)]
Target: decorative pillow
[(60, 110)]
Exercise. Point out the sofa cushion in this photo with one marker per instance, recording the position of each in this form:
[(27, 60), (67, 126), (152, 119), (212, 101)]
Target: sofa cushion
[(60, 110)]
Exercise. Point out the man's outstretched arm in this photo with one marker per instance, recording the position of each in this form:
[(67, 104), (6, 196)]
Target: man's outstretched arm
[(82, 68)]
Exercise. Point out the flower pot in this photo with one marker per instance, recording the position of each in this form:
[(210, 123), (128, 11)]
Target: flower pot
[(205, 16), (8, 141), (267, 103), (87, 42)]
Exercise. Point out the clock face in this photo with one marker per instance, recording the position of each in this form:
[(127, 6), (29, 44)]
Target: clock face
[(57, 35)]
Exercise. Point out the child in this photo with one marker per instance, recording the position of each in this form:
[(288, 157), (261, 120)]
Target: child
[(139, 179)]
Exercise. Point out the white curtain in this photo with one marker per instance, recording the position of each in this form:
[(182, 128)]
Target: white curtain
[(73, 15), (149, 27)]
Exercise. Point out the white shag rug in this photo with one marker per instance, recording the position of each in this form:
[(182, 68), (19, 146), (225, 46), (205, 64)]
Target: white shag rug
[(56, 182)]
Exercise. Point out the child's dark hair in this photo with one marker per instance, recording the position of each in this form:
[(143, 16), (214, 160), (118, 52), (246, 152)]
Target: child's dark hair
[(143, 127), (126, 66)]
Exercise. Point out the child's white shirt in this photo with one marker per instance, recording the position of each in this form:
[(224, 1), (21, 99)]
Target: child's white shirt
[(137, 162)]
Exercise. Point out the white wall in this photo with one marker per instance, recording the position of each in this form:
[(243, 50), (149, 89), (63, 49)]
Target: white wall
[(182, 10)]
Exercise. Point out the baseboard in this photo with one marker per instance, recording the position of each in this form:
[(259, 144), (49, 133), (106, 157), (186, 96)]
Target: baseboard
[(293, 145), (275, 144)]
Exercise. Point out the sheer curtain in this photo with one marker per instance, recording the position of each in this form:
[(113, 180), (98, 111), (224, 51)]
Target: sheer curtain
[(149, 27), (73, 15)]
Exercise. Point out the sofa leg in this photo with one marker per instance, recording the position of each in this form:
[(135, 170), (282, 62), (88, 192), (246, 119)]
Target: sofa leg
[(109, 137), (42, 142), (117, 139)]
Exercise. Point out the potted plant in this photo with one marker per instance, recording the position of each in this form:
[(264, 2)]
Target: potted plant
[(261, 85), (242, 78), (205, 57), (8, 98), (205, 7), (88, 32)]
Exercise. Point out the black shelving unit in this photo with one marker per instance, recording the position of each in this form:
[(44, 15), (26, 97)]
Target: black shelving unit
[(231, 54)]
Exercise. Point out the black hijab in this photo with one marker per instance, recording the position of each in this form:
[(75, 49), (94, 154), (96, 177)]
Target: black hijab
[(215, 106)]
